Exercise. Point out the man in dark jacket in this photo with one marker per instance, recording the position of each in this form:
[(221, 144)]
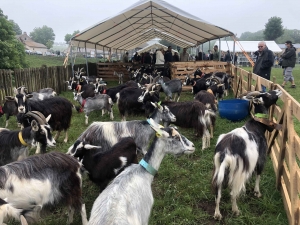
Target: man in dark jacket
[(288, 63), (228, 57), (168, 55), (264, 62)]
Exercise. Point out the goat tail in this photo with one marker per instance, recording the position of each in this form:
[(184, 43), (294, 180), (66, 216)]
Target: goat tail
[(209, 115), (118, 97), (222, 161), (110, 101)]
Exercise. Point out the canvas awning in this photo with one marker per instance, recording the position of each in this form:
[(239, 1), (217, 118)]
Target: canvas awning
[(144, 21), (156, 46)]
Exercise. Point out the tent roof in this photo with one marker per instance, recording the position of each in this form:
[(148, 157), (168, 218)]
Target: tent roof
[(248, 46), (156, 45), (146, 20)]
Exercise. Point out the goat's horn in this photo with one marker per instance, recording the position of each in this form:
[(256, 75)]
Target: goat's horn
[(81, 69), (216, 80), (38, 116), (253, 94)]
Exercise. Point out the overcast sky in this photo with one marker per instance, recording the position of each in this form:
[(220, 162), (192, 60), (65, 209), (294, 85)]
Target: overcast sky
[(66, 16)]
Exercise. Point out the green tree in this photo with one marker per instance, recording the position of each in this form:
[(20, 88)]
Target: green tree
[(69, 36), (12, 52), (256, 36), (16, 27), (273, 28), (43, 35)]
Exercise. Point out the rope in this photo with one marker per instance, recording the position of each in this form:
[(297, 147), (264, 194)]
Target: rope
[(244, 52)]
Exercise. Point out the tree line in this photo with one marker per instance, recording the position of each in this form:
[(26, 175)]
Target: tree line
[(273, 31)]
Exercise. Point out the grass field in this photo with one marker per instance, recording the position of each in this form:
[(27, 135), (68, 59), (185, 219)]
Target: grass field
[(182, 189)]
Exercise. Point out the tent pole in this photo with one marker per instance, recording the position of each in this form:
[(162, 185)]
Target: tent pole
[(95, 51), (86, 61), (72, 63), (110, 55), (219, 49), (103, 53), (202, 52), (233, 52)]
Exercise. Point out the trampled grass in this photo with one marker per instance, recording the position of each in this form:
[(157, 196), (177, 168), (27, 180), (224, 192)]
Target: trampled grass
[(182, 187)]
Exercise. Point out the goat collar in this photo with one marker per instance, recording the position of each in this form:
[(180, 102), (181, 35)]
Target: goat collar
[(148, 167), (21, 139), (267, 122), (261, 115)]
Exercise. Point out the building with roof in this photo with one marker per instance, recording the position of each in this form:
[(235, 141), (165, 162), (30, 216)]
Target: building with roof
[(30, 44)]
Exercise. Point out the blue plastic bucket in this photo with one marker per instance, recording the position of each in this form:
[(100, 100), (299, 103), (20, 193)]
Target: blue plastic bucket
[(234, 109)]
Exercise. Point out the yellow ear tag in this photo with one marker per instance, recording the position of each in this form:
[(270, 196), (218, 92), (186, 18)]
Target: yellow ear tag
[(158, 135)]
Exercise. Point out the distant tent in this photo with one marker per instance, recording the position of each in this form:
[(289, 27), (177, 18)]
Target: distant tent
[(249, 46)]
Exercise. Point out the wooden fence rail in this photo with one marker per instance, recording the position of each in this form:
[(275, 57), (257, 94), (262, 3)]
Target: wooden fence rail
[(283, 145)]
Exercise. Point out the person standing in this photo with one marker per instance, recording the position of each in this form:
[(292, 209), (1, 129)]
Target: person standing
[(264, 62), (228, 57), (235, 58), (216, 53), (160, 59), (125, 58), (168, 55), (288, 63), (176, 57), (184, 56)]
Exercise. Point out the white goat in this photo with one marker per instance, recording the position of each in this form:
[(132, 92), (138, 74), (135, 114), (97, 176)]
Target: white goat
[(128, 199)]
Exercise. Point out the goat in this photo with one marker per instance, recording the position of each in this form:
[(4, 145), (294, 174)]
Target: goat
[(106, 134), (192, 114), (128, 199), (208, 99), (43, 94), (114, 90), (128, 103), (103, 167), (10, 108), (170, 87), (13, 144), (120, 76), (98, 102), (242, 151), (41, 181), (59, 108)]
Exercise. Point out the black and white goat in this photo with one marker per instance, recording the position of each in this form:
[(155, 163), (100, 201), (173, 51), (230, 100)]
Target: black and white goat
[(43, 94), (106, 134), (192, 114), (242, 151), (39, 183), (128, 199), (128, 103), (171, 87), (14, 144), (98, 102), (59, 108), (103, 167)]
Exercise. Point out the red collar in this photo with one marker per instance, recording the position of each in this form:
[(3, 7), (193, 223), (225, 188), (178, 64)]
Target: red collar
[(83, 102), (104, 91)]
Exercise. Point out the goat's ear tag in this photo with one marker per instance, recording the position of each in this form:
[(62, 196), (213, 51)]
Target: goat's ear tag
[(159, 103)]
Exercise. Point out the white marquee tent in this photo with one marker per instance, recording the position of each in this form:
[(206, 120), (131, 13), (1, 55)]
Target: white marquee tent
[(248, 46), (144, 21), (156, 45)]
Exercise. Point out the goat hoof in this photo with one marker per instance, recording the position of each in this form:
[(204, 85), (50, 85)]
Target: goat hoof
[(65, 140), (257, 194), (217, 216), (236, 212)]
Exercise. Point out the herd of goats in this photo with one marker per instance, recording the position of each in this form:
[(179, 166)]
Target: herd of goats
[(107, 151)]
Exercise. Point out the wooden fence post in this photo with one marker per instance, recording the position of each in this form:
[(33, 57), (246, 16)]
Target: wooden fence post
[(282, 147)]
